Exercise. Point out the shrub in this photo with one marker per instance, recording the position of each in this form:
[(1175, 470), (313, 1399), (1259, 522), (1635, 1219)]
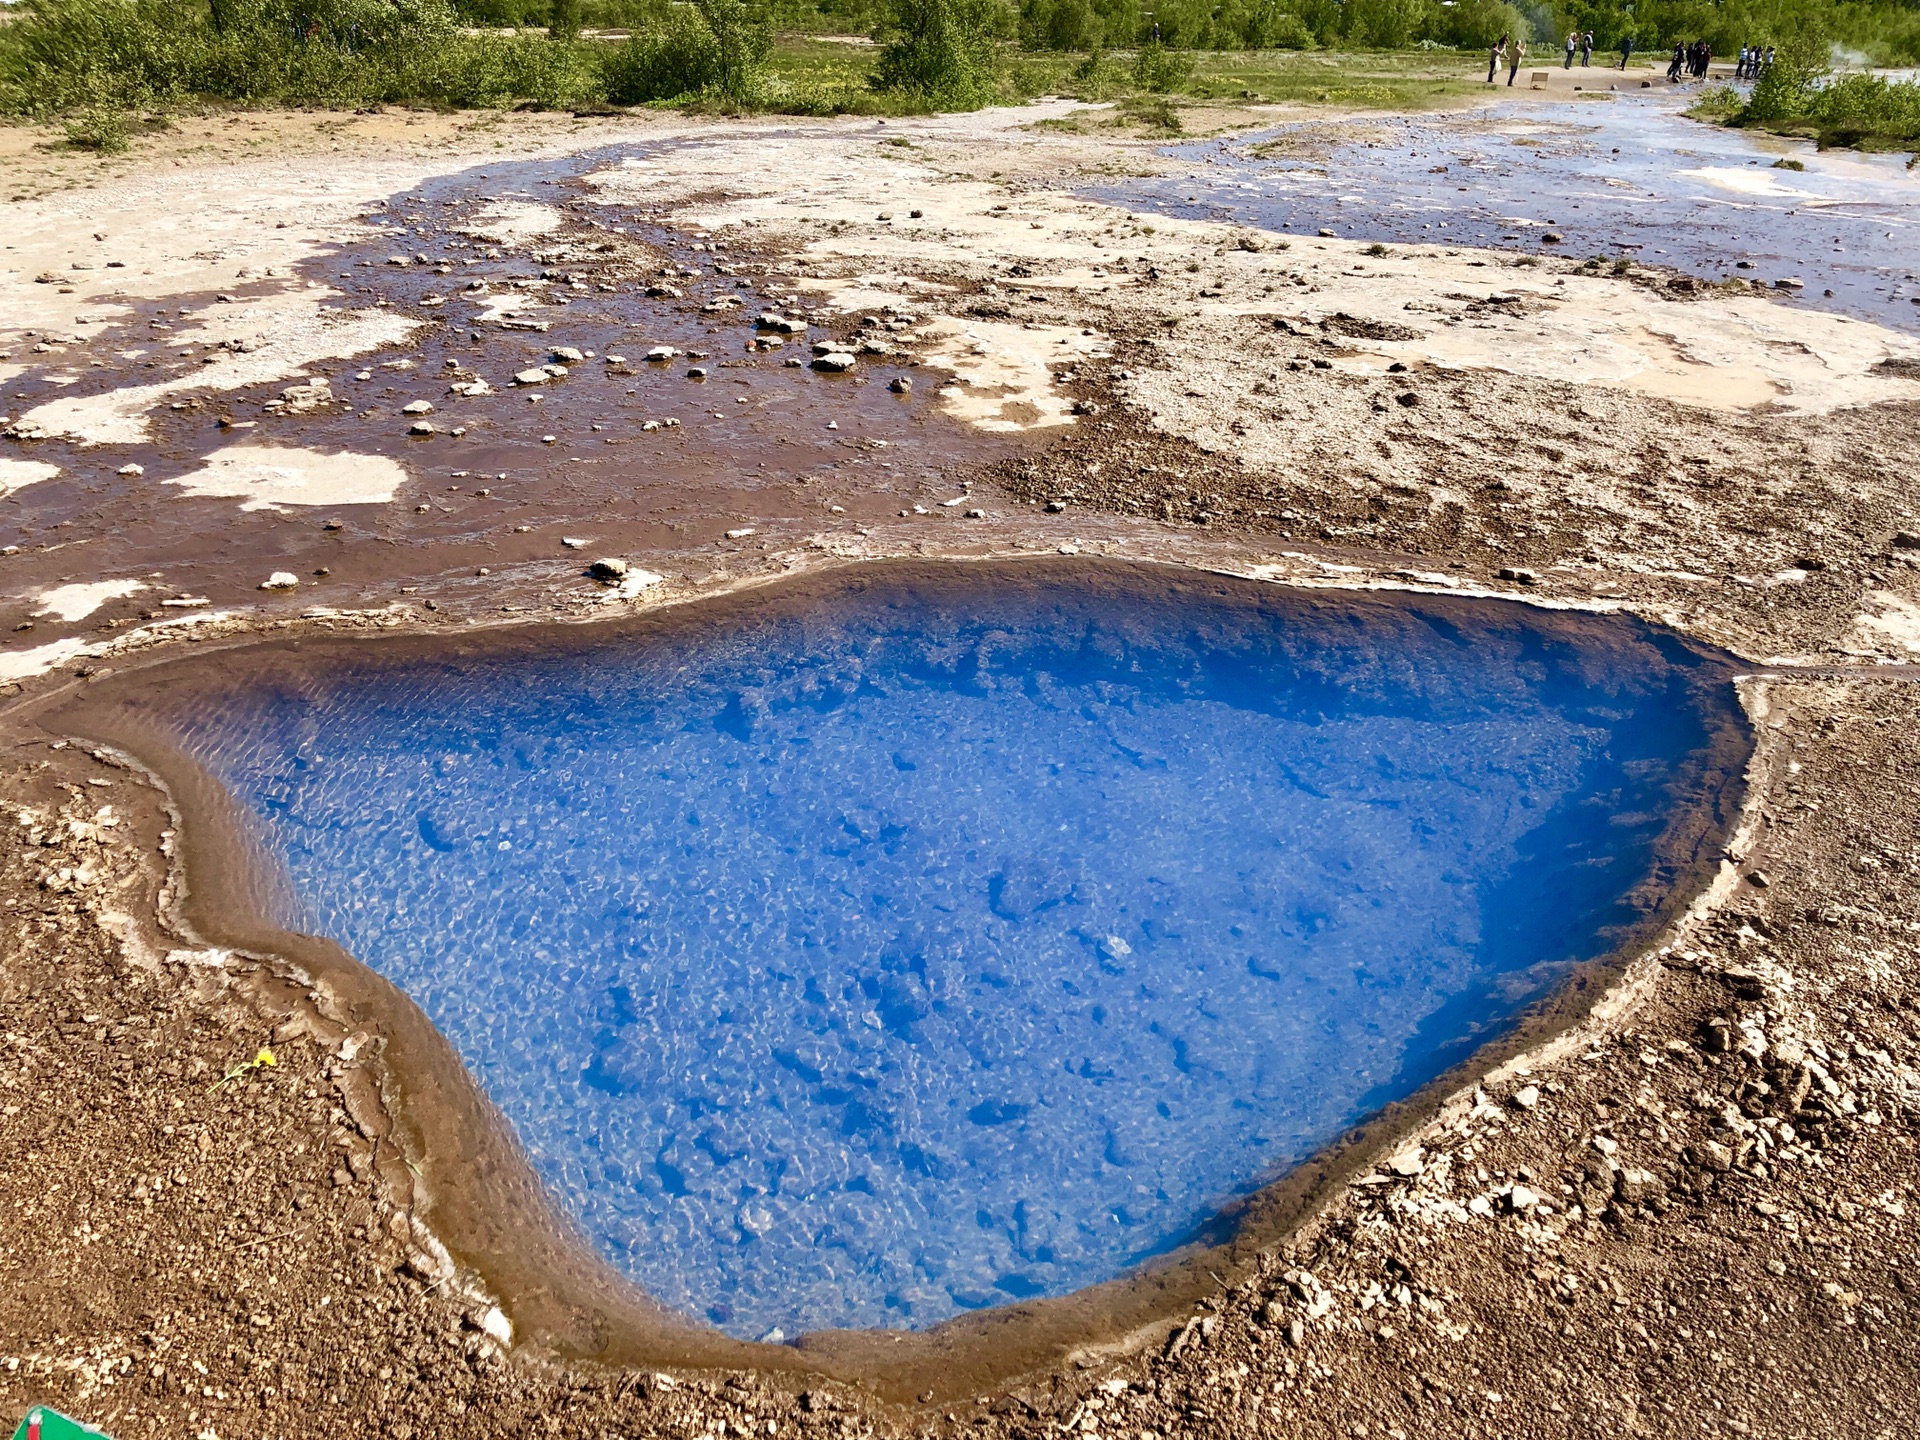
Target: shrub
[(940, 51), (678, 58), (103, 129), (1159, 71), (742, 40), (1060, 25), (58, 56), (1384, 24)]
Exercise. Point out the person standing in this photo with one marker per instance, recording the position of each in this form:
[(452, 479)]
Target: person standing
[(1493, 59), (1586, 49), (1573, 43), (1679, 59), (1516, 52), (1626, 51)]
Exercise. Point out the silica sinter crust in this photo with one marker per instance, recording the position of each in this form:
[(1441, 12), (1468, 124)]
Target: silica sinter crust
[(1307, 662)]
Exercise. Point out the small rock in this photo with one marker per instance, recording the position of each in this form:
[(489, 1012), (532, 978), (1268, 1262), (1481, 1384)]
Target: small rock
[(609, 569), (1296, 1332), (531, 377), (280, 580), (1636, 1186), (567, 355), (697, 372), (1907, 540), (573, 544), (1086, 407), (132, 470), (1518, 576), (976, 514), (742, 533), (1326, 234), (834, 362), (662, 352), (901, 385), (423, 427), (1711, 1155), (1408, 1163), (1789, 282), (417, 407), (1520, 1198), (1525, 1098), (1552, 237)]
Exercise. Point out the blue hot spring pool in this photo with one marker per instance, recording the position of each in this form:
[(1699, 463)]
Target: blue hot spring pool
[(861, 953)]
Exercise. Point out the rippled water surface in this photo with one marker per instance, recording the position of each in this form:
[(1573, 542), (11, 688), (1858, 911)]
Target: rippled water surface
[(862, 954), (1611, 174)]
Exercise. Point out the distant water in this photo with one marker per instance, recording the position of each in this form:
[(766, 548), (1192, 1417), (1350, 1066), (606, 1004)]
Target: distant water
[(923, 943), (1627, 174)]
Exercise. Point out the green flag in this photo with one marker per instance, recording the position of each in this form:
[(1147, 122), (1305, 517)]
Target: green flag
[(44, 1424)]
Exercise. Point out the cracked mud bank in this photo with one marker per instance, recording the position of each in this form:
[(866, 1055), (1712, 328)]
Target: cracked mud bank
[(1691, 1213)]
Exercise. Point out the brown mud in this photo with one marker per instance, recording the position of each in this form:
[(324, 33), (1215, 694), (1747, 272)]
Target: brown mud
[(1691, 1210)]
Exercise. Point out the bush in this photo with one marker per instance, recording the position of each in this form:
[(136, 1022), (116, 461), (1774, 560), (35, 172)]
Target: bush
[(102, 129), (679, 58), (59, 56), (940, 51), (1160, 71), (1060, 25), (1384, 24)]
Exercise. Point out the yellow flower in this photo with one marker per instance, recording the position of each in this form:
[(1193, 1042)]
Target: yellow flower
[(265, 1057)]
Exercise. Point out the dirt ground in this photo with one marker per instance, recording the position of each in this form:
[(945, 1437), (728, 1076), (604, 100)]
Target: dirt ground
[(1693, 1214)]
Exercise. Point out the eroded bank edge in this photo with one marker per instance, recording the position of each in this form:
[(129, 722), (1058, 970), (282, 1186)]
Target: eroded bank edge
[(507, 1251)]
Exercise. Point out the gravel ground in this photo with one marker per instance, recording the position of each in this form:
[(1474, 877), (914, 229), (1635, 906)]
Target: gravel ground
[(1693, 1214)]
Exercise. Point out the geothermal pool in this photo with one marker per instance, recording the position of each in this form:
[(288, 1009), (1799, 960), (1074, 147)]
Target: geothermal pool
[(861, 952)]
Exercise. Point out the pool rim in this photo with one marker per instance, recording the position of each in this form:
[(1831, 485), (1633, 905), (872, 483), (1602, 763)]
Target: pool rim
[(492, 1213)]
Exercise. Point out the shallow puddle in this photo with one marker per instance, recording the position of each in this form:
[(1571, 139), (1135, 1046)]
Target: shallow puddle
[(528, 310), (1624, 175), (863, 951)]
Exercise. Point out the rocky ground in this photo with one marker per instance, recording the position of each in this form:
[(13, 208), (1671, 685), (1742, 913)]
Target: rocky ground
[(1693, 1214)]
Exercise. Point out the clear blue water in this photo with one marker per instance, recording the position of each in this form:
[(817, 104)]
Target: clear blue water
[(866, 955)]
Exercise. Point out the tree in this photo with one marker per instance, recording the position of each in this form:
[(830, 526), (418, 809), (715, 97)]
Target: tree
[(940, 50)]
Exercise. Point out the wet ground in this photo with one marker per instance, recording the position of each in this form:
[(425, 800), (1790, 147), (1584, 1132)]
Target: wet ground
[(1613, 174), (609, 452)]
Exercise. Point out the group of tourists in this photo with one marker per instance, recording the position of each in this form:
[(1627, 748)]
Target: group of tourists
[(1690, 61), (1514, 49), (1583, 42)]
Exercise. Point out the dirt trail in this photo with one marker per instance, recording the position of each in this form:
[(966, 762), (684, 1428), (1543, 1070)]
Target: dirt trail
[(1694, 1215)]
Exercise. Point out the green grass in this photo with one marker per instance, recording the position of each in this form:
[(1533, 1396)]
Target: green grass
[(1391, 80), (94, 66)]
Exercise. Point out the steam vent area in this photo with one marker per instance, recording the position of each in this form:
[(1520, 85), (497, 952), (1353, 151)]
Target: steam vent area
[(1196, 743)]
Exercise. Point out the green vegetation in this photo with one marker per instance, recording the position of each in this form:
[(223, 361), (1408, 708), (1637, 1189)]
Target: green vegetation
[(96, 66), (1800, 96)]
